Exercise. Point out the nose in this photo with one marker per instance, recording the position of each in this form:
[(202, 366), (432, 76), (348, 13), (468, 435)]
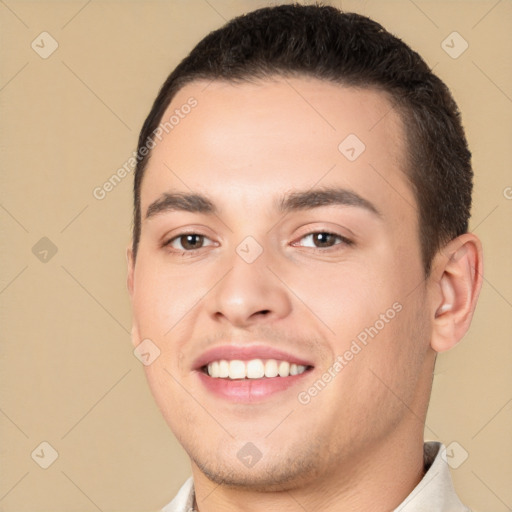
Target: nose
[(249, 293)]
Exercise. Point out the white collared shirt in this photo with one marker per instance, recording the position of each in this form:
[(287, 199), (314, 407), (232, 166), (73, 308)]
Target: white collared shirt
[(435, 492)]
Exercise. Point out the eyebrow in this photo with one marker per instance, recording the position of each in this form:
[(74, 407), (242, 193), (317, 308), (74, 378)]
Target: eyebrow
[(168, 202), (315, 198), (292, 201)]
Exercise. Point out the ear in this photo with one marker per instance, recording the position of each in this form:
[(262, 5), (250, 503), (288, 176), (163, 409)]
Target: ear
[(130, 262), (458, 273)]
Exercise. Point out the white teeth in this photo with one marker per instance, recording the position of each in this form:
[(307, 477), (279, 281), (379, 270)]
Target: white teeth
[(284, 369), (215, 368), (253, 369), (271, 369), (223, 369), (297, 369), (237, 370)]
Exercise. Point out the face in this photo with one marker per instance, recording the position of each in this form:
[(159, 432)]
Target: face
[(279, 274)]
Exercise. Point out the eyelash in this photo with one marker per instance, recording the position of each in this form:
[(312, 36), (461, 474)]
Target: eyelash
[(343, 241)]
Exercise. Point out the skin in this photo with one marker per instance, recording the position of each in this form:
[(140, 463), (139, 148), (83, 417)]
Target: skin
[(358, 444)]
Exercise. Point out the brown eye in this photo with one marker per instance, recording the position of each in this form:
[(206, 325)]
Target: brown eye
[(323, 239), (188, 242)]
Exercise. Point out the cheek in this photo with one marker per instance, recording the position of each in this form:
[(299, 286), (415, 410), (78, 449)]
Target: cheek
[(161, 299), (150, 311), (170, 396), (395, 357), (379, 372), (348, 298), (370, 325)]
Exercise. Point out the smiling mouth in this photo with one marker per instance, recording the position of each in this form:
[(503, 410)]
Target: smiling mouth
[(237, 369)]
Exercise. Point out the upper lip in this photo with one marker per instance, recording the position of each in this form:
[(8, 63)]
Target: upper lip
[(246, 353)]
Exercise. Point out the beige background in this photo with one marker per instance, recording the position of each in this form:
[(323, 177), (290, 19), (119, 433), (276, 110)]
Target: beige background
[(68, 373)]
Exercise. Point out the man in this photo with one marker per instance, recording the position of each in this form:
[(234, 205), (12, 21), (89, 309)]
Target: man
[(300, 255)]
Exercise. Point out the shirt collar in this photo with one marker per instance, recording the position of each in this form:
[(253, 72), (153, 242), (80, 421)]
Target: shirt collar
[(435, 490)]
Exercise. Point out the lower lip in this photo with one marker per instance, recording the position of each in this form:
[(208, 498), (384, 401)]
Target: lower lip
[(249, 390)]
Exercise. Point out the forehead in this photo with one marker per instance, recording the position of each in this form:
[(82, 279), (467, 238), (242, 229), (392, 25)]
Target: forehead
[(262, 138)]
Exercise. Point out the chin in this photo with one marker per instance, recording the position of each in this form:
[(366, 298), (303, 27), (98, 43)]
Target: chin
[(263, 476)]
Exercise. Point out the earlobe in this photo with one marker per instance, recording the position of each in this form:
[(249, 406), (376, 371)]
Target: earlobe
[(458, 267), (129, 283), (134, 336), (130, 268)]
